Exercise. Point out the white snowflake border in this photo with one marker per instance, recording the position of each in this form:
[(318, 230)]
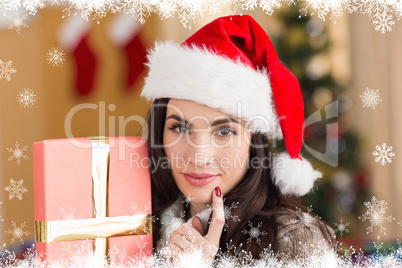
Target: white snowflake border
[(383, 154), (17, 22), (383, 13)]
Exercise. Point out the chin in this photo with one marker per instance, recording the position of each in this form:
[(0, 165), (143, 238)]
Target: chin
[(200, 195)]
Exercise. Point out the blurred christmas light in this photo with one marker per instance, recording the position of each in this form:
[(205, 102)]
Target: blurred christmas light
[(337, 145), (318, 67), (314, 27), (322, 96), (341, 179), (345, 103)]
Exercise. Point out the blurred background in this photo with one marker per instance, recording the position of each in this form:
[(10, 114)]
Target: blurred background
[(349, 74)]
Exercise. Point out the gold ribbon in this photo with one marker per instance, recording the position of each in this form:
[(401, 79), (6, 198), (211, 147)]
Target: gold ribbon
[(67, 230), (100, 227)]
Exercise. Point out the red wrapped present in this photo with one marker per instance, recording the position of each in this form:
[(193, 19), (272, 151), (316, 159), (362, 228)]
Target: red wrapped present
[(92, 193)]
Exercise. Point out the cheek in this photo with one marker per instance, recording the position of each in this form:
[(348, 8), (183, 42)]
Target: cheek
[(170, 140), (234, 159), (237, 156), (175, 150)]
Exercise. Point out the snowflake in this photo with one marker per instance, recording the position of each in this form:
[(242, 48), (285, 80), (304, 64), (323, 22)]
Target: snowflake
[(147, 208), (375, 214), (18, 22), (30, 6), (187, 17), (227, 213), (15, 189), (18, 153), (323, 8), (171, 221), (6, 70), (379, 11), (141, 256), (215, 6), (68, 216), (26, 97), (55, 56), (370, 98), (97, 8), (55, 2), (341, 227), (383, 23), (266, 5), (383, 154), (254, 232), (166, 9), (236, 256), (348, 255), (378, 245), (249, 4), (305, 218), (17, 232), (140, 9)]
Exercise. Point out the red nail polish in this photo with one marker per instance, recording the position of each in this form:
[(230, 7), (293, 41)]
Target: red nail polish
[(218, 191)]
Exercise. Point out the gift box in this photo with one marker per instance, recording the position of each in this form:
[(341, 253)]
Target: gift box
[(92, 193)]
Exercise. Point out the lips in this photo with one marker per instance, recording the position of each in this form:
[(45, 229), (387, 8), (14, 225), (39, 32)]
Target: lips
[(199, 175), (199, 179)]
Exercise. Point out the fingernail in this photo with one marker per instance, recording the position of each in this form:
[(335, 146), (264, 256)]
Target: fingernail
[(218, 191)]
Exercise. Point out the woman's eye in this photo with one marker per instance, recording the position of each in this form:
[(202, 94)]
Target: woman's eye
[(181, 128), (226, 132)]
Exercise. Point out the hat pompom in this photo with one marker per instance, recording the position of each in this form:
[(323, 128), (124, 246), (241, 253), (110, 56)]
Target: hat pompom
[(295, 176)]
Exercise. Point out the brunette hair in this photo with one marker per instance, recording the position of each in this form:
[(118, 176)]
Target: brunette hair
[(259, 200)]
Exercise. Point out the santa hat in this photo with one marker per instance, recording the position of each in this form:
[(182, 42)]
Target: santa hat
[(230, 62)]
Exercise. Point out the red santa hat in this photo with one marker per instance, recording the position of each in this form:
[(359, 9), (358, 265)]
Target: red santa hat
[(230, 62)]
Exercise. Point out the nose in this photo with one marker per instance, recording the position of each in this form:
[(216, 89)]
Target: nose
[(200, 151)]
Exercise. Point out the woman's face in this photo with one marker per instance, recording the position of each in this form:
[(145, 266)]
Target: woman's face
[(200, 141)]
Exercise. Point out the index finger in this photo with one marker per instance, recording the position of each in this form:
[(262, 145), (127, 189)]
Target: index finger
[(218, 219)]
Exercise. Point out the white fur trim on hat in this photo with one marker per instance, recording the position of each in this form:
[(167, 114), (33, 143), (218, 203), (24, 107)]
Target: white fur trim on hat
[(295, 177), (201, 75)]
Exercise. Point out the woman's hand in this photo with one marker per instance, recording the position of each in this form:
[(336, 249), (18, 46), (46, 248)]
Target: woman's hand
[(191, 239)]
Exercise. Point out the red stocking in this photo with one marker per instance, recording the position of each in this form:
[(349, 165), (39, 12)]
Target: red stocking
[(136, 56), (85, 67), (124, 33), (73, 36)]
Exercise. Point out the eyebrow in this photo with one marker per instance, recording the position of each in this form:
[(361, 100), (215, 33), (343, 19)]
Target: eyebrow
[(217, 122)]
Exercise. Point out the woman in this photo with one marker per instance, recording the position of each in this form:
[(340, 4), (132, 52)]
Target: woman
[(218, 98)]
